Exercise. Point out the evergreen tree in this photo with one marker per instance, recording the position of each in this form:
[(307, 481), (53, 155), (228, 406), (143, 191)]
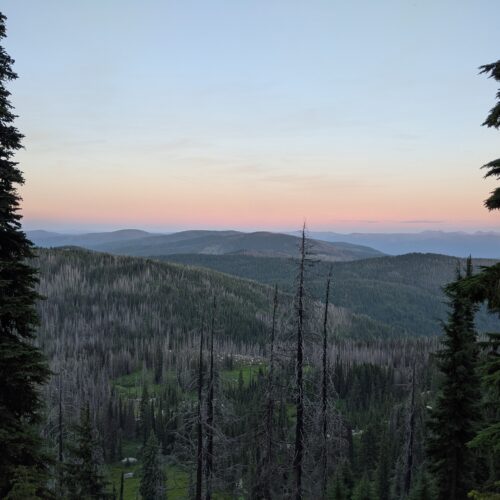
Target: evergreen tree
[(363, 490), (25, 484), (152, 485), (145, 420), (423, 489), (456, 412), (84, 478), (339, 490), (122, 480), (493, 120), (383, 473), (487, 439), (22, 366), (484, 288)]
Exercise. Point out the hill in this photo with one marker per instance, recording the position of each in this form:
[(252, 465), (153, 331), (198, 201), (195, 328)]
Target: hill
[(47, 239), (125, 299), (404, 292), (264, 244)]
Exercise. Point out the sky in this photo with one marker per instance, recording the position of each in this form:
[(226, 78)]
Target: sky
[(169, 115)]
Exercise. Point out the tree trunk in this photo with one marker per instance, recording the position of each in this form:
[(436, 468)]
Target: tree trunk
[(324, 393), (199, 455), (411, 438), (210, 411), (299, 427), (270, 402)]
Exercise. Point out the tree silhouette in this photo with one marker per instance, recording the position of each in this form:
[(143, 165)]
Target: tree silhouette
[(22, 365)]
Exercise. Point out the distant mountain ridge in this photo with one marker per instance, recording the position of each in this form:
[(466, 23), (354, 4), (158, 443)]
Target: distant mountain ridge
[(481, 244), (259, 244)]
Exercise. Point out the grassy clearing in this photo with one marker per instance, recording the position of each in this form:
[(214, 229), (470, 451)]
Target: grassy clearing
[(130, 386), (177, 481), (248, 372)]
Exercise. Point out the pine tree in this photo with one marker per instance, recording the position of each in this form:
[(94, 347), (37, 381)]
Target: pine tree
[(487, 439), (84, 478), (423, 489), (22, 365), (152, 485), (456, 411), (363, 490), (122, 481), (338, 491), (145, 420), (493, 120), (383, 472)]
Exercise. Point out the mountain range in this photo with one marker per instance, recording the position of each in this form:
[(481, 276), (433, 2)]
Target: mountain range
[(134, 242), (346, 247)]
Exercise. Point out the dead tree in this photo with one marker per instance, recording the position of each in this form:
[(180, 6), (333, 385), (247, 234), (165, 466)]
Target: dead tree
[(210, 411), (299, 404), (324, 393), (270, 401), (199, 454), (408, 470)]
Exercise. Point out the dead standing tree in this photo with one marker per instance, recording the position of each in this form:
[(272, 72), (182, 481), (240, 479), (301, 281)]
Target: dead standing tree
[(299, 368), (199, 452), (210, 410), (269, 464), (324, 392), (409, 452)]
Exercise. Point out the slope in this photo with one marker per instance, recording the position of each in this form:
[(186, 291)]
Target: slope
[(404, 291), (121, 300)]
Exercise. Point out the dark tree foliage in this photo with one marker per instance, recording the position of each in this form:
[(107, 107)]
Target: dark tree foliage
[(456, 413), (493, 120), (84, 478), (423, 489), (22, 366), (152, 485), (493, 71), (487, 439), (363, 490)]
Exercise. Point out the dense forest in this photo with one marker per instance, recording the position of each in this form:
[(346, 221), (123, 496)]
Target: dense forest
[(402, 294), (127, 377)]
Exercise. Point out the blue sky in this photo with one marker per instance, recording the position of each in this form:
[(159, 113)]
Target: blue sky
[(359, 115)]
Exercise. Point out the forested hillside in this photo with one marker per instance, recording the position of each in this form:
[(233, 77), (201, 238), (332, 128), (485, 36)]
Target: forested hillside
[(404, 292)]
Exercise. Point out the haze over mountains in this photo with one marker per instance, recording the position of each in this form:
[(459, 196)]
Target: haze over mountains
[(263, 244), (480, 244), (345, 247)]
